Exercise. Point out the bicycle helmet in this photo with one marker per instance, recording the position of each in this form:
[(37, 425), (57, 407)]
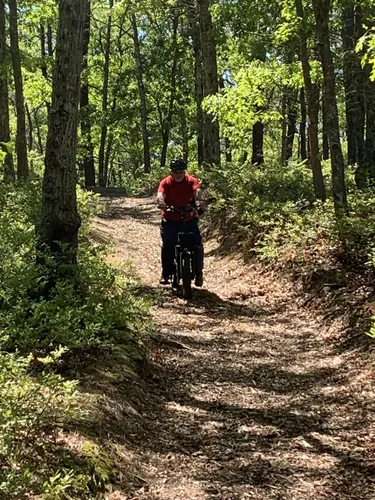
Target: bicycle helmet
[(178, 164)]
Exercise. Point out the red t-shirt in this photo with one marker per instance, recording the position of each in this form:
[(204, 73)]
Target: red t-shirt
[(177, 194)]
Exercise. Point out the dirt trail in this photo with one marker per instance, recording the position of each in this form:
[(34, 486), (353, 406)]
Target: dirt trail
[(252, 397)]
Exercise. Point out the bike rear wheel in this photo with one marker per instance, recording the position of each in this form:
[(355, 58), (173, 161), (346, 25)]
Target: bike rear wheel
[(186, 276)]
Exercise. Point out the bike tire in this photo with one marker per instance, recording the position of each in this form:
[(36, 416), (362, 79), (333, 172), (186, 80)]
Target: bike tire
[(186, 276)]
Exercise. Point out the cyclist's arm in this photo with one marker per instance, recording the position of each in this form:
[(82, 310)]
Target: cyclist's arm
[(199, 194), (160, 200)]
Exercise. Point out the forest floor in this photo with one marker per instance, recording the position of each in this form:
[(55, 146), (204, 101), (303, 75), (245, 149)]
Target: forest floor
[(250, 395)]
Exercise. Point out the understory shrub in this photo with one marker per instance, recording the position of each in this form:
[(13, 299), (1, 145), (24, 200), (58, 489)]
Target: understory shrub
[(95, 308), (273, 210)]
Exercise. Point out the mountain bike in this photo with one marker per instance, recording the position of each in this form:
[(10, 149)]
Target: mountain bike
[(185, 250)]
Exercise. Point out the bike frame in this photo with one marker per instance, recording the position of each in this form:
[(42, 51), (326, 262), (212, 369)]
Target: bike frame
[(185, 247)]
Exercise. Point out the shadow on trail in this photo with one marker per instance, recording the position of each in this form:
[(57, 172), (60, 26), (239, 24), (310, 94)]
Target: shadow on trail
[(144, 213)]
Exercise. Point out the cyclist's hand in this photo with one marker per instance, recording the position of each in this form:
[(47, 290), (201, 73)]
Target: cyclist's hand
[(162, 205)]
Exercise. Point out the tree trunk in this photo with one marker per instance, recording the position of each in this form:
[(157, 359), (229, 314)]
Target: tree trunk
[(211, 142), (354, 98), (142, 97), (38, 134), (302, 125), (21, 143), (184, 135), (312, 94), (4, 99), (88, 160), (43, 64), (257, 145), (30, 122), (321, 13), (325, 145), (103, 136), (60, 221), (198, 72), (283, 128), (49, 41), (291, 130), (167, 122), (369, 92), (370, 123), (228, 150)]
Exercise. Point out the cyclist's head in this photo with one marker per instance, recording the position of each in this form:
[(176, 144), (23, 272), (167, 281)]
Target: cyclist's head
[(178, 167)]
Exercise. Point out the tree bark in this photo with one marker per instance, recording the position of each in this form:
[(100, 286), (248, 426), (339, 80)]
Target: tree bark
[(302, 125), (60, 221), (312, 94), (370, 123), (49, 40), (9, 174), (369, 91), (291, 129), (142, 97), (30, 122), (321, 13), (21, 143), (354, 98), (211, 142), (257, 144), (38, 134), (88, 160), (104, 132), (167, 122), (325, 145), (43, 65), (184, 135), (283, 128), (198, 73)]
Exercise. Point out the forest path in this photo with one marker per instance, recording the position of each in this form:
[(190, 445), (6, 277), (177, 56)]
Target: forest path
[(251, 397)]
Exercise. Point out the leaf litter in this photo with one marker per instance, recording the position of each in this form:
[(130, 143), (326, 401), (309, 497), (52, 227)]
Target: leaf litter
[(249, 395)]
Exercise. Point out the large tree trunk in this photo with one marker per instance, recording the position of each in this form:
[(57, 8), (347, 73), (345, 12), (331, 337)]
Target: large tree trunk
[(211, 143), (104, 132), (312, 94), (325, 145), (370, 123), (4, 99), (198, 72), (167, 122), (142, 97), (88, 160), (302, 125), (321, 12), (354, 98), (21, 143), (60, 220), (369, 91)]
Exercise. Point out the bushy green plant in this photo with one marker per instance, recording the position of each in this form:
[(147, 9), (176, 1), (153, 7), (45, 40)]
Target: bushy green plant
[(29, 403), (94, 307)]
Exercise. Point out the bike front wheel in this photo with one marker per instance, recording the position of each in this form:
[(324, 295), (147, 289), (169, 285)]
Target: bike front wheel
[(186, 276)]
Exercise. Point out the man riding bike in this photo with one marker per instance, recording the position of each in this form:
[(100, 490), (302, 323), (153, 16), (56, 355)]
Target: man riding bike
[(176, 190)]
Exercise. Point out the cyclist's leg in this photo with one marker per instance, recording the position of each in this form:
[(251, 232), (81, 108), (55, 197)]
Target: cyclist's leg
[(169, 238), (198, 250)]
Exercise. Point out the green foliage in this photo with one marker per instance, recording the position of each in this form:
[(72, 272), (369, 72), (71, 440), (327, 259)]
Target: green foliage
[(95, 309), (29, 403)]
